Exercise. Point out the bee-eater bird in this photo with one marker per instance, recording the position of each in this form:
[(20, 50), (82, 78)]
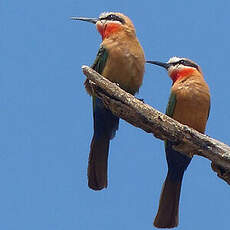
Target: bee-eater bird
[(189, 103), (121, 60)]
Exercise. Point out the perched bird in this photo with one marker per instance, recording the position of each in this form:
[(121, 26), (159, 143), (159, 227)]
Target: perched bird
[(121, 60), (189, 103)]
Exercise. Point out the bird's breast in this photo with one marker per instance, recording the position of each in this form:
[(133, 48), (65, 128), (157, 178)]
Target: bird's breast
[(125, 65), (192, 104)]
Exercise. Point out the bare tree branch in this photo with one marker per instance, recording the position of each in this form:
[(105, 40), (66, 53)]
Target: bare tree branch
[(141, 115)]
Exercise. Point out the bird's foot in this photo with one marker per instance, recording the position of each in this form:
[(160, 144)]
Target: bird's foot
[(141, 99), (117, 84)]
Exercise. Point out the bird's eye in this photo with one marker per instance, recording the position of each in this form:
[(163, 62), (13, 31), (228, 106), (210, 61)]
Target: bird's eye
[(113, 17), (182, 62)]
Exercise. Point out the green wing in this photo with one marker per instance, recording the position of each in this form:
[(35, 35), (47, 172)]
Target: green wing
[(171, 105), (170, 108), (100, 61)]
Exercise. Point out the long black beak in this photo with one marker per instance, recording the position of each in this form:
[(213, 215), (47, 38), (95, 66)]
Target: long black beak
[(162, 64), (92, 20)]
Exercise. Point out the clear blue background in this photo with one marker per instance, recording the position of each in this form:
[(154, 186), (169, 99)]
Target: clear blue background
[(46, 116)]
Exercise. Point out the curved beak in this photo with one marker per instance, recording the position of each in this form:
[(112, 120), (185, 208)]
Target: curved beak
[(162, 64), (92, 20)]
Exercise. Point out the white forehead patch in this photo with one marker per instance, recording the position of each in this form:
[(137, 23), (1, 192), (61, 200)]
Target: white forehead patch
[(105, 14), (174, 59)]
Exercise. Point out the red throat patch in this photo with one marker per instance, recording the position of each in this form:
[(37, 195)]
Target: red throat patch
[(178, 74), (108, 29)]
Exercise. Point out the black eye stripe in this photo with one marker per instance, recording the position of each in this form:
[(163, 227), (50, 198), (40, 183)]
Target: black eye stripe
[(186, 63), (113, 17)]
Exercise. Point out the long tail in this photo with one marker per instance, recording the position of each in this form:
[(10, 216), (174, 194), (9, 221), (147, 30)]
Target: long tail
[(167, 215), (168, 211), (97, 166), (105, 126)]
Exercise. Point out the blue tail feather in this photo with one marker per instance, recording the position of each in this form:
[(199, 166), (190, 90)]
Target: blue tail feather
[(105, 123), (105, 127), (168, 211), (177, 162)]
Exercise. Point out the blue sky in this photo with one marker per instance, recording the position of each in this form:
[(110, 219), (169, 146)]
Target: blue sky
[(46, 116)]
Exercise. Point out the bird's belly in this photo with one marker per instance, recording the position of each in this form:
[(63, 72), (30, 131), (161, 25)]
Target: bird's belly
[(127, 71), (193, 111)]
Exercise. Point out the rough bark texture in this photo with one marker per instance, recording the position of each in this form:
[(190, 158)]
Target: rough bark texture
[(141, 115)]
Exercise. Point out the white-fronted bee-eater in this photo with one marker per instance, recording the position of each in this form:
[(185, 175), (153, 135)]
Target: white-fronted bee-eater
[(189, 103), (121, 60)]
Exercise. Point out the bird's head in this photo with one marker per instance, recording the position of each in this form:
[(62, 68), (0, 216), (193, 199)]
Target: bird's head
[(179, 68), (110, 23)]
